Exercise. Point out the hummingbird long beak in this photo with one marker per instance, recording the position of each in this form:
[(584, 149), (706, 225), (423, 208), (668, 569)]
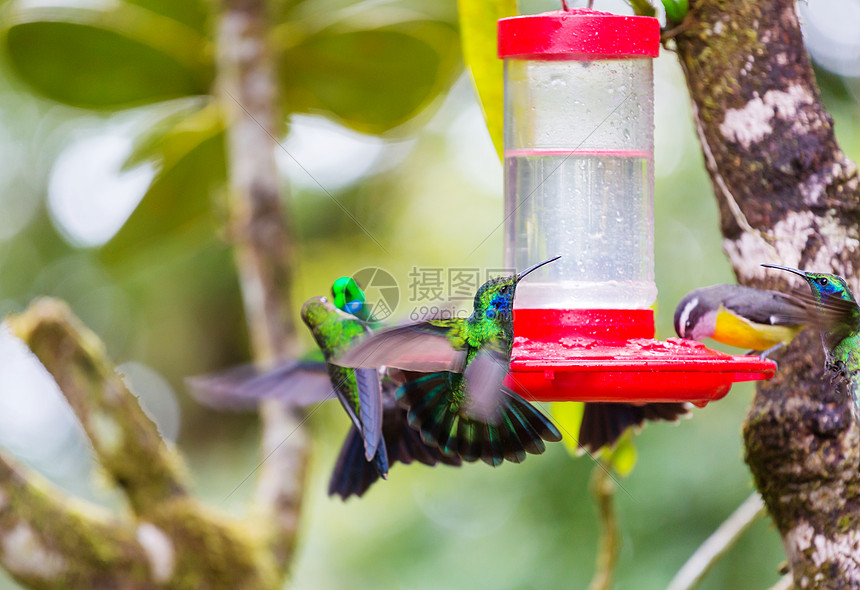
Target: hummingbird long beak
[(796, 271), (535, 267)]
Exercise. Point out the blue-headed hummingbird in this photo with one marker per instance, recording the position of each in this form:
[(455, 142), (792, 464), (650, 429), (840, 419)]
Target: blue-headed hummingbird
[(837, 316), (454, 371)]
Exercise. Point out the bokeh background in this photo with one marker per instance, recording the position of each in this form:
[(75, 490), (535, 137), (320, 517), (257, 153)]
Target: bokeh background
[(139, 250)]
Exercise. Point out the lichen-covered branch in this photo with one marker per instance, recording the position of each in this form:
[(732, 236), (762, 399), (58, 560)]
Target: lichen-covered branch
[(787, 195), (125, 440), (170, 540), (247, 84), (49, 541)]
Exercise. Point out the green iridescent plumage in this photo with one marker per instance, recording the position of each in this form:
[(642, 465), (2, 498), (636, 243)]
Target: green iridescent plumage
[(453, 372), (349, 297), (359, 390), (838, 318)]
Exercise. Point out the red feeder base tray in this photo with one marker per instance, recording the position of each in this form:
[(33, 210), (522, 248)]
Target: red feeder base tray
[(608, 355)]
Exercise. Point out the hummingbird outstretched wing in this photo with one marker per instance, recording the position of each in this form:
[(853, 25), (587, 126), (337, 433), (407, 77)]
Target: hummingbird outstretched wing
[(420, 346), (353, 474), (435, 407), (296, 383), (603, 423), (370, 413), (360, 393)]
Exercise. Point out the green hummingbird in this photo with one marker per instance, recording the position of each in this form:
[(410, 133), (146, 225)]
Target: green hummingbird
[(359, 390), (453, 371), (837, 316), (302, 383)]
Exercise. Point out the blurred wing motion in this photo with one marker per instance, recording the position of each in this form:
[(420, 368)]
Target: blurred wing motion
[(435, 409), (830, 314), (353, 475), (603, 423), (423, 346), (297, 383), (484, 378)]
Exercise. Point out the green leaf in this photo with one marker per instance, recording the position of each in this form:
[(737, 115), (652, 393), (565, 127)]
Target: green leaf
[(676, 10), (191, 13), (568, 416), (189, 154), (478, 25), (642, 7), (107, 55), (178, 132), (371, 80)]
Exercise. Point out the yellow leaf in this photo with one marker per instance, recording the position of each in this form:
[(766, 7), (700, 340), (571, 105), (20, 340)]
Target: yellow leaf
[(478, 20), (568, 417), (623, 456)]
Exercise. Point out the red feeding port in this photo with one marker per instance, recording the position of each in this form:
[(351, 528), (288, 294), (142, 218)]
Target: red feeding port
[(610, 355)]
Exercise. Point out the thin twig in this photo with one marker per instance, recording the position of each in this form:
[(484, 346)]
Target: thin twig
[(715, 546), (603, 490)]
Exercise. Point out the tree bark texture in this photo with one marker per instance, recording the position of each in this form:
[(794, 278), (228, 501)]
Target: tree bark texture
[(787, 195)]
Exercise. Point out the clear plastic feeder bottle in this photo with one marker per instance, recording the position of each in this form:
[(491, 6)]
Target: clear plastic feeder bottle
[(579, 157)]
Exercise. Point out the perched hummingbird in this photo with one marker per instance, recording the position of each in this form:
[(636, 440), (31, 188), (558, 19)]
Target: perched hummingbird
[(303, 383), (837, 316), (749, 318), (454, 369)]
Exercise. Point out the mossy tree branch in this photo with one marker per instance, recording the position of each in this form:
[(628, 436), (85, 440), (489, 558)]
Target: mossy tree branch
[(49, 541), (787, 195), (171, 540), (111, 417)]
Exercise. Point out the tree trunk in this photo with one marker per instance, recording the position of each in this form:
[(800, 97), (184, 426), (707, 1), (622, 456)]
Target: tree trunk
[(787, 195), (248, 85)]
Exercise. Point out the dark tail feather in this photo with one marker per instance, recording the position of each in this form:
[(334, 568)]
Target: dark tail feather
[(353, 474), (603, 423), (521, 428)]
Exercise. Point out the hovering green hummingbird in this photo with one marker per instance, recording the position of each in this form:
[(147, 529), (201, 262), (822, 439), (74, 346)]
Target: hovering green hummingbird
[(301, 383), (453, 371), (838, 318)]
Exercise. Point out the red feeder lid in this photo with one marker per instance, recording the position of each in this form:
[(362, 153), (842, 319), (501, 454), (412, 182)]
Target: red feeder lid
[(579, 32), (610, 356)]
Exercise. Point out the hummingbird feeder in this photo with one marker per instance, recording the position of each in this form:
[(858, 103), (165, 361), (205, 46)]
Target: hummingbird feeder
[(579, 182)]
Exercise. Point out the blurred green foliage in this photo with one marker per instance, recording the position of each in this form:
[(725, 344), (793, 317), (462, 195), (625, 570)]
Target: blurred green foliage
[(163, 291)]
